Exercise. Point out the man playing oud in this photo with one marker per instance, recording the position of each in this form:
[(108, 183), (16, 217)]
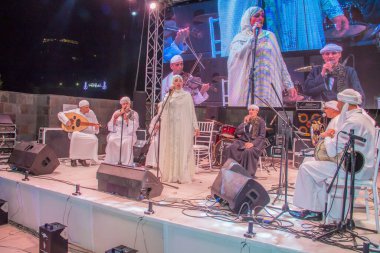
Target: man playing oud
[(83, 144)]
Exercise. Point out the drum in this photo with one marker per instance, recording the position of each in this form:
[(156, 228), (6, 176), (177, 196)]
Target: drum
[(354, 14), (217, 154), (227, 131)]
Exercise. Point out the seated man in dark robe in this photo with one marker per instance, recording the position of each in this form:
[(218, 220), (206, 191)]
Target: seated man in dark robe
[(247, 148)]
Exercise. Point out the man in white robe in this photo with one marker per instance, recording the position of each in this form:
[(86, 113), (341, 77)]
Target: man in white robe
[(83, 144), (176, 65), (178, 126), (122, 126), (310, 193)]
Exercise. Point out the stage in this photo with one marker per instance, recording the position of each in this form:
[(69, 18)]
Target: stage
[(185, 219)]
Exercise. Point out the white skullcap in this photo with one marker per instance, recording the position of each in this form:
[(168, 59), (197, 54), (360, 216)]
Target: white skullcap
[(175, 59), (331, 48), (350, 96), (254, 107), (332, 105), (125, 100), (83, 103)]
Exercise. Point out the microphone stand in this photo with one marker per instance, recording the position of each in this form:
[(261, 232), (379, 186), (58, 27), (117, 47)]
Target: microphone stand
[(251, 89), (121, 137), (144, 152)]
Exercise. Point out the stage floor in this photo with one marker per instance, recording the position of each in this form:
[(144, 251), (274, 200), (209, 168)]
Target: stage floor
[(207, 226)]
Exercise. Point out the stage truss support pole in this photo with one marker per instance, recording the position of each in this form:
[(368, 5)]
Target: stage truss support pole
[(154, 59)]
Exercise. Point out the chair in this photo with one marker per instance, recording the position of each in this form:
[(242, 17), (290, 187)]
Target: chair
[(224, 92), (203, 143), (366, 185), (213, 41)]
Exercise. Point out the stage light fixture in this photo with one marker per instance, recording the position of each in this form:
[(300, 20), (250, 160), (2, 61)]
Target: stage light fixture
[(134, 13), (153, 5)]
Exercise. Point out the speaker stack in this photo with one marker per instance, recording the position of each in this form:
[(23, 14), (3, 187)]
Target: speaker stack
[(234, 186), (128, 182), (38, 159)]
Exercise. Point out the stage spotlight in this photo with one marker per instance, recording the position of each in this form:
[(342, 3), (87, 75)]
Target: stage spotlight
[(153, 5), (134, 13)]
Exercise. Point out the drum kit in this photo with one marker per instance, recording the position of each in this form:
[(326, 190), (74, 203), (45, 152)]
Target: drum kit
[(224, 137)]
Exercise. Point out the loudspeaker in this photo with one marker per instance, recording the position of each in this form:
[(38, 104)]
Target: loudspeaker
[(3, 212), (128, 182), (139, 105), (38, 159), (302, 120), (51, 240), (299, 145), (121, 249), (234, 185), (57, 139)]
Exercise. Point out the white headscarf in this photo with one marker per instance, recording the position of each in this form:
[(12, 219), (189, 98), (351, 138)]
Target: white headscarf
[(245, 23), (175, 59), (254, 107), (332, 105), (125, 100), (83, 103), (348, 97)]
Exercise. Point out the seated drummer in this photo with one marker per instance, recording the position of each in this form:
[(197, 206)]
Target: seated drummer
[(247, 148)]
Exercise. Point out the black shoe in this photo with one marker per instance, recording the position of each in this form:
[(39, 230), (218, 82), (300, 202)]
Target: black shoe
[(74, 163), (84, 163), (306, 215)]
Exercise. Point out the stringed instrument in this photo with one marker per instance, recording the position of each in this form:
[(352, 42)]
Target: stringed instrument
[(78, 122)]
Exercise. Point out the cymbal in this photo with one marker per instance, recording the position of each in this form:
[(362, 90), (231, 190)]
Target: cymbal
[(203, 18), (218, 78), (304, 69), (215, 122)]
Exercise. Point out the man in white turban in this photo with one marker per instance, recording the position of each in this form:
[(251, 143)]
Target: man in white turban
[(193, 85), (83, 144), (247, 148), (326, 81), (310, 193), (122, 126)]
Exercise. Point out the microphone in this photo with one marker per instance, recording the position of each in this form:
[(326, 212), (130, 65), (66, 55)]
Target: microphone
[(317, 118), (353, 136), (255, 29)]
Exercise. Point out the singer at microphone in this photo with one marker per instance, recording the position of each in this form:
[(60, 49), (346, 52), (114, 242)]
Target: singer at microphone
[(324, 82)]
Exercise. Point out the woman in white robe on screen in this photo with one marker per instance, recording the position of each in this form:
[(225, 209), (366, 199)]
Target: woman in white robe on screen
[(83, 144), (154, 131), (178, 126), (270, 67), (123, 122)]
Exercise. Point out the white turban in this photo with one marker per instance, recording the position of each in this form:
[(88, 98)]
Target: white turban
[(332, 105), (350, 96), (175, 59), (83, 103), (331, 48), (125, 100), (254, 107), (245, 23)]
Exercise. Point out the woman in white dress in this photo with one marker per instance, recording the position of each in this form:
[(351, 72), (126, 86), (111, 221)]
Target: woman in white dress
[(178, 126)]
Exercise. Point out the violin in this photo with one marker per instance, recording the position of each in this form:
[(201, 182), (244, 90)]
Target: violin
[(193, 83)]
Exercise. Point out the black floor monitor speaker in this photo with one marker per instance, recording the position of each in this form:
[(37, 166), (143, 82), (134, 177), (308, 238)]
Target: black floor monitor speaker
[(234, 185), (51, 240), (128, 182), (38, 159), (3, 212)]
